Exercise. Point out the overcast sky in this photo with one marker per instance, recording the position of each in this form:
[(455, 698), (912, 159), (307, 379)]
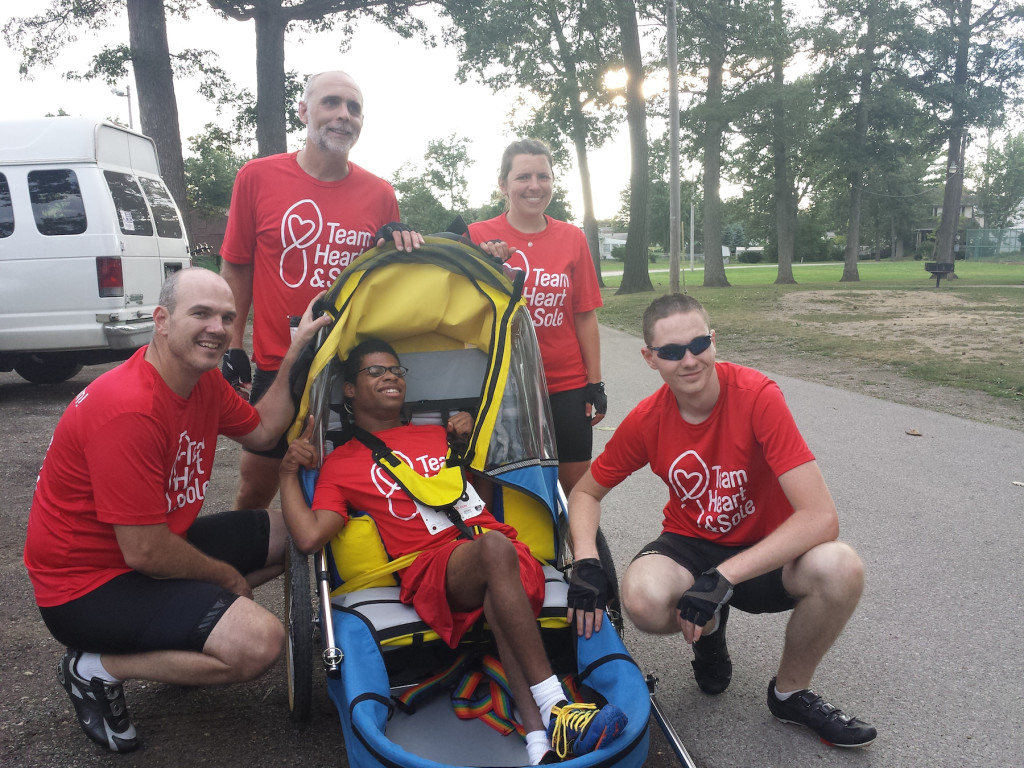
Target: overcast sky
[(411, 97)]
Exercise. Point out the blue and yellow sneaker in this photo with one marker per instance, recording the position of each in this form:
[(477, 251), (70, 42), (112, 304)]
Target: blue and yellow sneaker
[(577, 729)]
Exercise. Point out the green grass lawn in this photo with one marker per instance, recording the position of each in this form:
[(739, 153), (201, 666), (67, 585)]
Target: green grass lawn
[(967, 333), (905, 273)]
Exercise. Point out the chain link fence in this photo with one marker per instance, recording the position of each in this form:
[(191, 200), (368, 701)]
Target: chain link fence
[(995, 245)]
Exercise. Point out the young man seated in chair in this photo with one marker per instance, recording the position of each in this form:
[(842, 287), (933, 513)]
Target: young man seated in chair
[(455, 579)]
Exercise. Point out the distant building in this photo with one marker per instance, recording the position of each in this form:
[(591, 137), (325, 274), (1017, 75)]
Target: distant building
[(607, 240), (968, 210)]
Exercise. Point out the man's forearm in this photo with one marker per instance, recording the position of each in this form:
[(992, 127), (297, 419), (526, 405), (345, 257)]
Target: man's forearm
[(584, 521), (160, 554), (239, 279)]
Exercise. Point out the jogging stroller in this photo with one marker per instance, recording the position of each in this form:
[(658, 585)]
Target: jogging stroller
[(460, 325)]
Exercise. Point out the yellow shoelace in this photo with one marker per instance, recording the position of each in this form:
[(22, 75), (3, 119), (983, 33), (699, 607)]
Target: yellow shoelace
[(570, 721)]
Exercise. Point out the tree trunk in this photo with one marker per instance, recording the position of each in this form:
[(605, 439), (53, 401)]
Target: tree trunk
[(785, 212), (589, 220), (271, 120), (714, 127), (578, 132), (950, 221), (860, 132), (635, 270), (154, 85)]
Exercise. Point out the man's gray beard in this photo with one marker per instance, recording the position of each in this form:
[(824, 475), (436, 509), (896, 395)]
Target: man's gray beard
[(328, 142)]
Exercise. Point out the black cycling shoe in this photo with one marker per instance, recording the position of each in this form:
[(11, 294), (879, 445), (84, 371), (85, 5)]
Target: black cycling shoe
[(712, 667), (808, 708), (100, 707)]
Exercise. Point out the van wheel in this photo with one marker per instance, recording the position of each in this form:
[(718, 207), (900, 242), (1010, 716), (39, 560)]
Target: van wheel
[(47, 369)]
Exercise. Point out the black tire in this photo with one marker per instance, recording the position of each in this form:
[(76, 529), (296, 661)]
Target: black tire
[(614, 607), (298, 621), (47, 369)]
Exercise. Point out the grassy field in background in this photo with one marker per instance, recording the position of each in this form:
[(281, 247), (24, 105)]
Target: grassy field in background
[(979, 347)]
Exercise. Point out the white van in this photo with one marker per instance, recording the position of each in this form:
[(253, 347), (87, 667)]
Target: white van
[(88, 231)]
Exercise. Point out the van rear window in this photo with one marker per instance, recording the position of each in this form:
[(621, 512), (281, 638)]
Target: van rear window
[(164, 212), (6, 211), (57, 202), (132, 214)]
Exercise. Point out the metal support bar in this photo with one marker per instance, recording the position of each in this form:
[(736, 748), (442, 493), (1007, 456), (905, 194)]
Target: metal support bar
[(667, 728), (332, 653)]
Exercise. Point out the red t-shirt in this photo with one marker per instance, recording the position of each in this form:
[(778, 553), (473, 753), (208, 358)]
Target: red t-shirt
[(723, 473), (127, 451), (560, 283), (299, 234), (351, 480)]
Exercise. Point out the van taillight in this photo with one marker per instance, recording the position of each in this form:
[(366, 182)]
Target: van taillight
[(109, 276)]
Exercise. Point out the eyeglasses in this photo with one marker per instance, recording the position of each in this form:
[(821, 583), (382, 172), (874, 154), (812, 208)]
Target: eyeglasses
[(376, 371), (678, 351)]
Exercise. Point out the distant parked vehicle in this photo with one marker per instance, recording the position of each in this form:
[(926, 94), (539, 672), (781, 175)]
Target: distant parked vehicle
[(88, 232)]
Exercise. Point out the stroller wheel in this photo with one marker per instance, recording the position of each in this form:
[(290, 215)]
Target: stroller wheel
[(298, 614), (614, 608)]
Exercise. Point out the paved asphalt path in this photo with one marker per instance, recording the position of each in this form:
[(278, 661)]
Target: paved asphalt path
[(933, 656)]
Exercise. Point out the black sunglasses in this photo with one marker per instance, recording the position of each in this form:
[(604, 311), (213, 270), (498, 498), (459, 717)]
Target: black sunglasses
[(678, 351), (376, 371)]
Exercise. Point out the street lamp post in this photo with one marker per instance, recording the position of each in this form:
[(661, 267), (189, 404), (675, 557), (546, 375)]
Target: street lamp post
[(126, 93), (673, 149), (692, 192)]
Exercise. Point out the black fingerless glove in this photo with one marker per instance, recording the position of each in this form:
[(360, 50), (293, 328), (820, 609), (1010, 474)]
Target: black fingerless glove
[(596, 397), (236, 367), (705, 598), (588, 586), (387, 232)]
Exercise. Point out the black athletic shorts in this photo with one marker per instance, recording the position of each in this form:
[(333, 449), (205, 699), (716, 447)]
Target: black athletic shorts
[(762, 594), (133, 613), (261, 381), (574, 437)]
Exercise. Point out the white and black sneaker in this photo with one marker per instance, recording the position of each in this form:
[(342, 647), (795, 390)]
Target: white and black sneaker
[(100, 707)]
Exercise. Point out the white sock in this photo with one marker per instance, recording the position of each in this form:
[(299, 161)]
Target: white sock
[(89, 666), (547, 693), (537, 745), (783, 696)]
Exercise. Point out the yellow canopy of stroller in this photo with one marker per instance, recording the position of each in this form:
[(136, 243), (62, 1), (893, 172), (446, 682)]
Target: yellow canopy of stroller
[(447, 298)]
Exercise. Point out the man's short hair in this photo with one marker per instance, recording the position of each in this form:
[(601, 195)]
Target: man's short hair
[(354, 361), (668, 305), (168, 297), (307, 92)]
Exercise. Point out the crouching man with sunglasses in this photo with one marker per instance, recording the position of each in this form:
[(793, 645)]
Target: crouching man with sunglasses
[(749, 521)]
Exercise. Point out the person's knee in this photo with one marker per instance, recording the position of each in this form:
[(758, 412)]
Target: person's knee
[(497, 553), (248, 640), (262, 653), (832, 570), (647, 605)]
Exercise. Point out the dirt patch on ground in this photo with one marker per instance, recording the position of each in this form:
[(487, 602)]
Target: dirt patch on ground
[(940, 322), (934, 321)]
